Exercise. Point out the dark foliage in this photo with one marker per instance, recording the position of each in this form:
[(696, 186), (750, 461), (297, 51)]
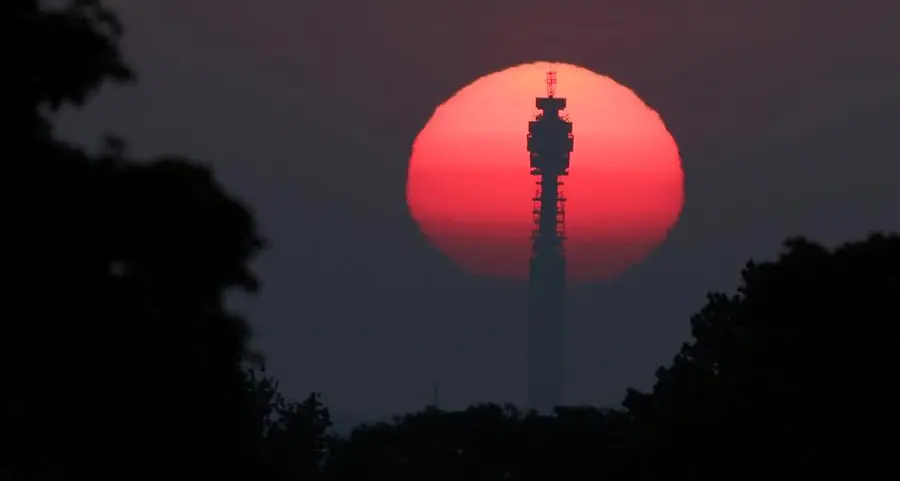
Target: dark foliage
[(121, 359), (794, 374), (59, 56), (293, 439)]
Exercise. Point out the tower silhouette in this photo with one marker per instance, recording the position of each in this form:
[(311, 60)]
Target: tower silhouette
[(550, 141)]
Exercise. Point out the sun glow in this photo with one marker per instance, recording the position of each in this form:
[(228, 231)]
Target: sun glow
[(470, 190)]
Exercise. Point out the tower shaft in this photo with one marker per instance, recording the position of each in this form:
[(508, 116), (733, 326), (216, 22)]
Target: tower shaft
[(550, 141), (547, 297)]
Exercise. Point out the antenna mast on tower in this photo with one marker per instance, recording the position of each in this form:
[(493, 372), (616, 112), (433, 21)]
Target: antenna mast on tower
[(551, 81)]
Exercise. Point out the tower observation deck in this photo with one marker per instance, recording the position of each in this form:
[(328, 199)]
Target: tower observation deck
[(550, 141)]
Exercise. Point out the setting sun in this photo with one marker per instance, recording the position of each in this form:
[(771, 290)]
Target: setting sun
[(470, 190)]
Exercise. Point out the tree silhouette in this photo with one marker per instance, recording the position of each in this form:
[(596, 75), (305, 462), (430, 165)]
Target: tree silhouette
[(62, 56), (484, 442), (292, 436), (128, 321), (793, 375), (122, 359)]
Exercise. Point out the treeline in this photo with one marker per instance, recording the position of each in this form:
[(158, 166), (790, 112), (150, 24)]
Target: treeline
[(121, 360)]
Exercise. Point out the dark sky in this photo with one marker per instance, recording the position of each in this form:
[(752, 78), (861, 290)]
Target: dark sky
[(786, 113)]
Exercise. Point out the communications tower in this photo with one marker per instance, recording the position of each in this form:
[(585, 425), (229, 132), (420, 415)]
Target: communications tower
[(550, 141)]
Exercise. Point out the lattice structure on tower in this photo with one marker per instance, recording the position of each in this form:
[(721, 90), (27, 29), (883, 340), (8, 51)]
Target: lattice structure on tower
[(550, 143)]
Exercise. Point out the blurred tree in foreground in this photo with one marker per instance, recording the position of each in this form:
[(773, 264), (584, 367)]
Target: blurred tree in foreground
[(123, 360), (61, 56)]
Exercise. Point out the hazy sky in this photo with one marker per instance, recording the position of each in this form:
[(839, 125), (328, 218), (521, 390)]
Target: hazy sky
[(786, 113)]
